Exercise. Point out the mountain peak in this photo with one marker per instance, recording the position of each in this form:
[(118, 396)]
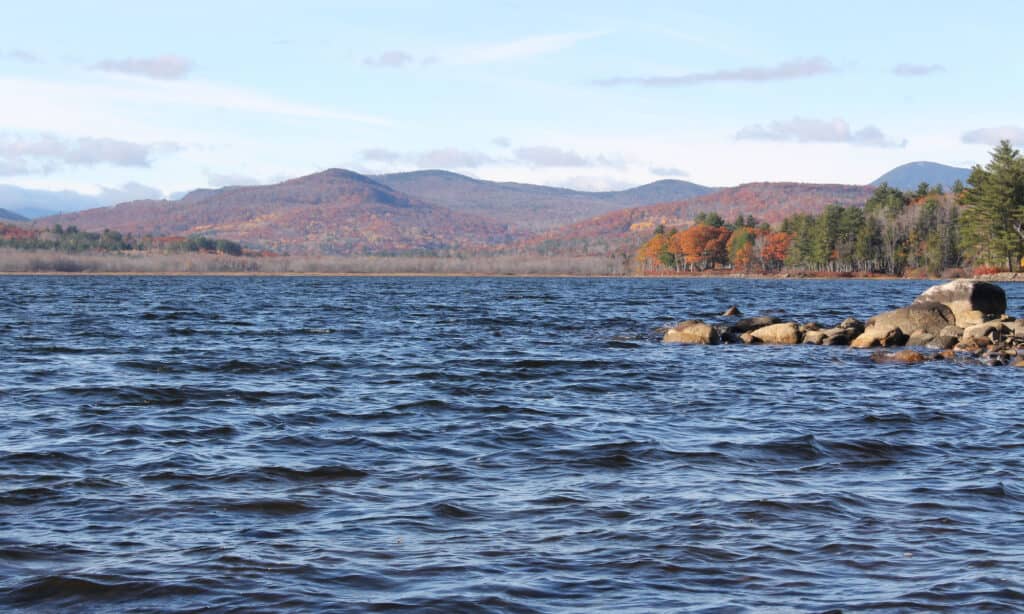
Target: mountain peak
[(908, 176)]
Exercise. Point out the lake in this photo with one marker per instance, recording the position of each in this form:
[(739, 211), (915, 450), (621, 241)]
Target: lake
[(490, 444)]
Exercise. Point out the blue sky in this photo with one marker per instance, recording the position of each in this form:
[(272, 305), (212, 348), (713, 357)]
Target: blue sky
[(165, 97)]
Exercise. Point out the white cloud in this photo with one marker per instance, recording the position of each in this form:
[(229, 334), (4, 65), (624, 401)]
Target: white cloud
[(805, 130), (992, 136), (162, 67)]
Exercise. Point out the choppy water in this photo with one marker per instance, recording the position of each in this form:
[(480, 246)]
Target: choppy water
[(490, 445)]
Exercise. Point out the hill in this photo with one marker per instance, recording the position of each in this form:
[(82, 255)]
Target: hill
[(626, 229), (526, 206), (909, 176), (332, 212), (10, 216)]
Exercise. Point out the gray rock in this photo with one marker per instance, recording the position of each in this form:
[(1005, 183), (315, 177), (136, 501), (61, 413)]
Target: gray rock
[(927, 317), (942, 342), (814, 337), (971, 302), (993, 330), (920, 338)]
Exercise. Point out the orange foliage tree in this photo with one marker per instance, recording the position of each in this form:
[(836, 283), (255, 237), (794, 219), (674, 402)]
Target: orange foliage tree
[(773, 251)]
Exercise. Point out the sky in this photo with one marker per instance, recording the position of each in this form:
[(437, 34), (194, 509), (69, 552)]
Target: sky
[(151, 99)]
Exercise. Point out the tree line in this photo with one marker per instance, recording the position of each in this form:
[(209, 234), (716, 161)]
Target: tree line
[(980, 224), (72, 240)]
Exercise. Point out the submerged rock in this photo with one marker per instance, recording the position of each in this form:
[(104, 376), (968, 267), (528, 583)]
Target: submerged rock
[(902, 356), (733, 310), (693, 332)]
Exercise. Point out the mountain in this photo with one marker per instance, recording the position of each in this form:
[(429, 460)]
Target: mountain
[(526, 206), (33, 204), (333, 212), (10, 216), (909, 176), (768, 202)]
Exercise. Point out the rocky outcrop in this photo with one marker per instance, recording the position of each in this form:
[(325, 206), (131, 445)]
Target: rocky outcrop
[(972, 302), (692, 332), (944, 325)]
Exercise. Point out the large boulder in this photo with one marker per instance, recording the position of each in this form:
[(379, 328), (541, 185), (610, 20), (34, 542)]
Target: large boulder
[(692, 331), (972, 302), (786, 333), (927, 317)]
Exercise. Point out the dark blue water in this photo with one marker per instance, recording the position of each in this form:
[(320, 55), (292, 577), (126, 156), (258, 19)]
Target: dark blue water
[(315, 444)]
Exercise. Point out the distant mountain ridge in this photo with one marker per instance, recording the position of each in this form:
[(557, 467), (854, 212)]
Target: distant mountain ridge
[(331, 212), (530, 207), (909, 176), (10, 216)]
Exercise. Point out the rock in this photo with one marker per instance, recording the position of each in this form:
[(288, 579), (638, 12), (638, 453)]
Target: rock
[(927, 317), (1019, 362), (809, 326), (902, 356), (840, 336), (942, 342), (692, 331), (1016, 327), (947, 354), (974, 346), (885, 336), (815, 337), (733, 310), (951, 331), (969, 300), (920, 338), (749, 324), (786, 333), (852, 324), (993, 330)]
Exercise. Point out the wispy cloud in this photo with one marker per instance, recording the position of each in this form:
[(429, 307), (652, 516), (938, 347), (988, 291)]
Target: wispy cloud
[(994, 134), (501, 141), (389, 59), (916, 70), (792, 69), (518, 49), (805, 130), (46, 153), (165, 67)]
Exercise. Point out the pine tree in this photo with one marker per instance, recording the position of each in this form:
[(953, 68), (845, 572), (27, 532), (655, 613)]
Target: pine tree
[(992, 223)]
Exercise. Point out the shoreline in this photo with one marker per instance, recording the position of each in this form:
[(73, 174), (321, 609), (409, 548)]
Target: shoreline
[(1000, 277)]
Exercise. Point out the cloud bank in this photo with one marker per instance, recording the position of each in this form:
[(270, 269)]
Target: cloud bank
[(24, 155), (805, 130), (992, 136)]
